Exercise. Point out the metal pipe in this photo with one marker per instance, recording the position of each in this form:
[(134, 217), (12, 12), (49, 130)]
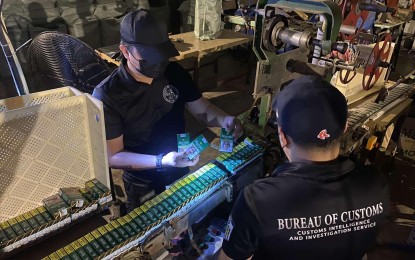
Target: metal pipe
[(300, 39), (348, 29), (11, 58)]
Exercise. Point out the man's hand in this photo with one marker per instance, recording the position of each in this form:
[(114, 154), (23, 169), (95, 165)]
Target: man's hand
[(231, 123), (174, 159)]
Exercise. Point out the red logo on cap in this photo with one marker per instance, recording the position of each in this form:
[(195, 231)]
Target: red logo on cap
[(323, 134)]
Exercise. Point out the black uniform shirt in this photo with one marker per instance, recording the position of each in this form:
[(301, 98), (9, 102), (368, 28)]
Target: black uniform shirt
[(309, 211), (148, 116)]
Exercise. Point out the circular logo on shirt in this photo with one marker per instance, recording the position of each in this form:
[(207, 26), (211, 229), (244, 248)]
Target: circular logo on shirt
[(170, 93)]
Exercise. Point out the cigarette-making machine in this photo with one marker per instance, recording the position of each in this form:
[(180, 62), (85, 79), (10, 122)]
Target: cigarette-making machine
[(327, 39)]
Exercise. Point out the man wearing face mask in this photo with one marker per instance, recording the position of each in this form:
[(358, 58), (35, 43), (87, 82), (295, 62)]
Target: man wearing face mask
[(317, 206), (144, 102)]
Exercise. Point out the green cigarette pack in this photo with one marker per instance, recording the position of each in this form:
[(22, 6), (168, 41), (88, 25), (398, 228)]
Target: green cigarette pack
[(23, 223), (192, 185), (123, 233), (3, 237), (31, 220), (82, 253), (72, 196), (88, 247), (101, 186), (62, 254), (39, 216), (180, 196), (153, 208), (160, 200), (132, 223), (183, 140), (148, 213), (200, 181), (56, 206), (54, 256), (173, 199), (94, 190), (168, 199), (143, 216), (114, 233), (8, 230), (181, 186), (101, 240), (140, 222), (108, 237), (71, 252), (16, 227), (226, 141), (199, 144), (85, 193), (94, 243), (131, 232), (46, 258)]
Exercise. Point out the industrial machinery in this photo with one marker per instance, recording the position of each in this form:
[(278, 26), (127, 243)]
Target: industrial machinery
[(292, 38), (295, 38)]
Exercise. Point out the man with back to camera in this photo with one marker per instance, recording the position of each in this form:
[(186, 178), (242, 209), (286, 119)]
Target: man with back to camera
[(317, 206), (144, 101)]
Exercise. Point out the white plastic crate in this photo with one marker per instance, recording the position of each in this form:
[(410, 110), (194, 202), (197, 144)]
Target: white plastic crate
[(48, 140)]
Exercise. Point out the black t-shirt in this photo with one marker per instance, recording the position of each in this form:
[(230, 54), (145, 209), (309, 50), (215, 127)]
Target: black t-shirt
[(148, 116), (309, 211)]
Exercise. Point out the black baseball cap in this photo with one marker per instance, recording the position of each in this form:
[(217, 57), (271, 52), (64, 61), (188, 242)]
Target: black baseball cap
[(141, 30), (311, 111)]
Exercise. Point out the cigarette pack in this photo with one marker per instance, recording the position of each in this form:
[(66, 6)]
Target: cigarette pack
[(140, 222), (131, 232), (62, 254), (101, 240), (166, 197), (183, 140), (129, 220), (108, 237), (149, 213), (23, 223), (85, 193), (114, 233), (154, 209), (123, 233), (79, 249), (54, 256), (88, 247), (161, 200), (56, 206), (70, 251), (199, 144), (31, 220), (226, 141), (8, 230), (95, 192), (42, 220), (72, 196), (16, 227), (143, 216), (94, 243), (3, 237)]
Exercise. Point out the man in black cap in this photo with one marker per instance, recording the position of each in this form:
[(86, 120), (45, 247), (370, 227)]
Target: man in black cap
[(317, 206), (144, 102)]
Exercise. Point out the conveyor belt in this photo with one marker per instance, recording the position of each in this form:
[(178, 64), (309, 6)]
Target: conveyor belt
[(358, 115)]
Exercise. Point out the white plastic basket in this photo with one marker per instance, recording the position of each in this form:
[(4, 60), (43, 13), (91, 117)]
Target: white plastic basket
[(48, 140)]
